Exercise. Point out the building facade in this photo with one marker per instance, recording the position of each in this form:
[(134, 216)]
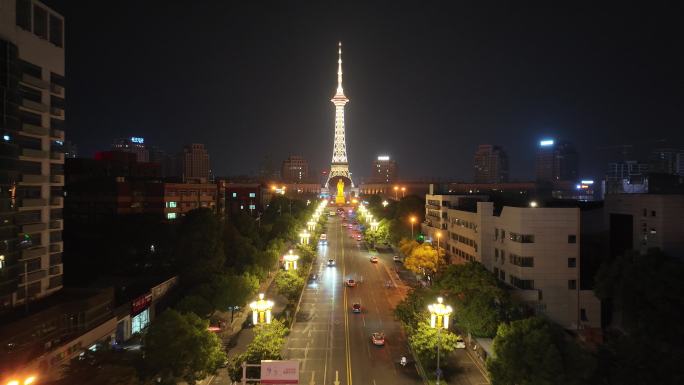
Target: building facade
[(556, 161), (535, 251), (644, 221), (195, 163), (665, 161), (32, 111), (295, 169), (384, 170), (490, 164), (134, 145)]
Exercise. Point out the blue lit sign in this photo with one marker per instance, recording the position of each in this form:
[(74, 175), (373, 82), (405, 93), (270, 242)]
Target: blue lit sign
[(587, 182), (136, 139), (547, 142)]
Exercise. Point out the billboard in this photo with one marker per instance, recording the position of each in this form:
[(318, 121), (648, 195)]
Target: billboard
[(280, 372)]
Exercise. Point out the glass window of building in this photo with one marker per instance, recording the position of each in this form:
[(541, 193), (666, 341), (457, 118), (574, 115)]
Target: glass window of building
[(40, 21), (56, 30)]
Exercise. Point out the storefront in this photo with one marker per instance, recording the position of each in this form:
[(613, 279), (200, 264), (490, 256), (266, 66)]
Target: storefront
[(140, 313)]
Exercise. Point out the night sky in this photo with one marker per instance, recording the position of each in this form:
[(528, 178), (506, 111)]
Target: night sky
[(427, 82)]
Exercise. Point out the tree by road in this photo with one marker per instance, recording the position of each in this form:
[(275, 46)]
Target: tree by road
[(199, 248), (289, 284), (103, 366), (424, 340), (180, 346), (533, 351), (422, 259), (267, 344)]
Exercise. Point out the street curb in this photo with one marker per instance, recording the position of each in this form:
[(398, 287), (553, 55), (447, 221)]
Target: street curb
[(301, 294)]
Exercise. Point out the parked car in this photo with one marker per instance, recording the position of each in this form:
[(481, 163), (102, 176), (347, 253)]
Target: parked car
[(460, 343)]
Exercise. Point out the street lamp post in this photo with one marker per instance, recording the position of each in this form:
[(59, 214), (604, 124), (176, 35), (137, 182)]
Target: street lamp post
[(439, 319), (413, 220), (396, 192), (403, 190), (290, 260), (261, 310), (439, 235), (304, 237)]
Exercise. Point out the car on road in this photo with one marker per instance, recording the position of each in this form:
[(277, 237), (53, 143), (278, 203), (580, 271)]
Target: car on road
[(460, 343), (374, 259), (358, 237), (356, 308), (396, 258), (323, 239), (378, 339), (314, 277), (331, 262), (350, 283)]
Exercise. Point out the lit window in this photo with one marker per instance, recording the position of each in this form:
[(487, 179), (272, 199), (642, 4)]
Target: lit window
[(171, 216), (2, 262), (173, 204), (234, 195), (242, 207), (252, 195), (252, 207)]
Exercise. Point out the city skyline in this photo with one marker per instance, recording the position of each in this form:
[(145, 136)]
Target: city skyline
[(473, 80)]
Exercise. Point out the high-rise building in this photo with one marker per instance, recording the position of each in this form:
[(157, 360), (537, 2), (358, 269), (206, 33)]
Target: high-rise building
[(32, 108), (664, 160), (295, 169), (195, 163), (384, 170), (556, 161), (167, 163), (491, 164), (135, 145)]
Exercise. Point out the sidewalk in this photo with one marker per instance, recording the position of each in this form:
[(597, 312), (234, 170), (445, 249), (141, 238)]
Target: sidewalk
[(469, 370)]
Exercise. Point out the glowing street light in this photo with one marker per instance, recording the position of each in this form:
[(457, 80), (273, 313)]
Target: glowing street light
[(396, 189), (439, 235), (413, 220), (304, 237), (403, 190), (439, 319), (385, 203), (261, 310), (311, 225), (290, 260), (27, 381), (374, 225), (533, 204)]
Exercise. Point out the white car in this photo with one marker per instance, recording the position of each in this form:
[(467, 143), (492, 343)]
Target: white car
[(374, 259), (460, 344), (331, 262), (396, 258)]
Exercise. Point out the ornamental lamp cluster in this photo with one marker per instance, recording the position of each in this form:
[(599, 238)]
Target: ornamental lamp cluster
[(290, 260), (439, 314), (261, 310)]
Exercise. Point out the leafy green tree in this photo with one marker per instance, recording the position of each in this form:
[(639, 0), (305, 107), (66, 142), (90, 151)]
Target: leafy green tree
[(289, 284), (533, 351), (240, 252), (180, 346), (480, 301), (195, 304), (647, 290), (424, 340), (412, 309), (105, 367), (199, 247), (267, 344)]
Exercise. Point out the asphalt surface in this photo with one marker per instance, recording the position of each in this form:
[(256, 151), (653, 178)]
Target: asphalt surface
[(329, 339)]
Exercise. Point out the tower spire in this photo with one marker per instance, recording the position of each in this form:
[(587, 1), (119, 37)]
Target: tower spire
[(339, 70)]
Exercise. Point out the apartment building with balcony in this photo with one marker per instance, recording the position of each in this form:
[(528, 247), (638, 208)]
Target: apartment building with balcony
[(533, 250), (32, 112)]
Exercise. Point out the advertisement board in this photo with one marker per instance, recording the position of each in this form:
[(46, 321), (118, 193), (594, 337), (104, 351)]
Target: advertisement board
[(280, 372)]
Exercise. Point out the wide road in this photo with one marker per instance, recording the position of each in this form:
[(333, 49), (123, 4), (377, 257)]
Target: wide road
[(329, 338)]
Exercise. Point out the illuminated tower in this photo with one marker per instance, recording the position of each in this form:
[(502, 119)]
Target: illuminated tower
[(340, 165)]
